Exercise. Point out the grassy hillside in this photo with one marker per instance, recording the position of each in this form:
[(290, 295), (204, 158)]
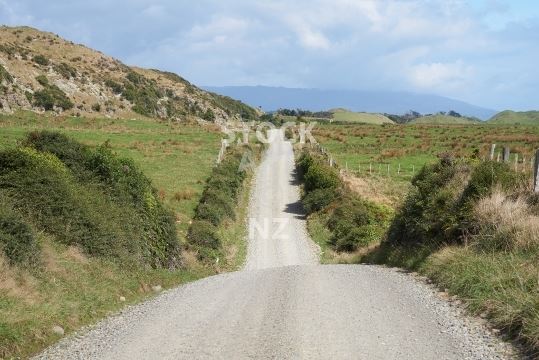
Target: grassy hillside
[(84, 253), (343, 115), (445, 120), (509, 117), (40, 71)]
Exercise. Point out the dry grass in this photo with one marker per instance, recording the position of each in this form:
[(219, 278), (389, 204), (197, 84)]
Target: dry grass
[(377, 189), (186, 194), (507, 222)]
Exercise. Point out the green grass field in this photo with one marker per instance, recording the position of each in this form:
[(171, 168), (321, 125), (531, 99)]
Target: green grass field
[(368, 150), (342, 115)]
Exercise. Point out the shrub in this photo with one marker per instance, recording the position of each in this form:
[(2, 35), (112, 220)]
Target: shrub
[(41, 60), (209, 115), (116, 88), (356, 222), (50, 96), (439, 209), (42, 79), (320, 176), (124, 186), (96, 107), (17, 239), (203, 234), (214, 206), (5, 75), (65, 70), (318, 199), (217, 203)]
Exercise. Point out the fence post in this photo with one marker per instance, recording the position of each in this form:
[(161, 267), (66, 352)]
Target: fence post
[(536, 172), (506, 154), (498, 157), (516, 162), (492, 149), (399, 170), (388, 170), (370, 168)]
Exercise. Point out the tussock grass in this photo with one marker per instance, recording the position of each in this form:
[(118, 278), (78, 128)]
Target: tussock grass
[(506, 222)]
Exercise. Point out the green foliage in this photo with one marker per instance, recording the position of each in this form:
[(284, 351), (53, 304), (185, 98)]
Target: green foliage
[(203, 234), (42, 79), (116, 88), (318, 199), (217, 203), (233, 107), (143, 93), (50, 96), (438, 209), (5, 75), (17, 240), (353, 222), (41, 60), (488, 174), (90, 197), (357, 223), (67, 71), (209, 115), (320, 176)]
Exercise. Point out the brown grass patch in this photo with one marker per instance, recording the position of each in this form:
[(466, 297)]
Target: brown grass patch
[(186, 194), (509, 222)]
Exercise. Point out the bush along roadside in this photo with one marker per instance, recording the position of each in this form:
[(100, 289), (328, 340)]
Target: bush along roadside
[(82, 233), (218, 206), (473, 227), (339, 220)]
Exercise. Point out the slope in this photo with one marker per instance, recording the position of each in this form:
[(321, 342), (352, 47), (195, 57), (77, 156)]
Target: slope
[(445, 120), (509, 117), (40, 71), (343, 115)]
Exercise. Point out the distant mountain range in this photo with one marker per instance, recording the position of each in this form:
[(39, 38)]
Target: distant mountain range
[(393, 102)]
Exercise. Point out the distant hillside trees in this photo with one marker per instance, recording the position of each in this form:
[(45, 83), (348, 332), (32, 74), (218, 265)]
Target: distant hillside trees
[(305, 113)]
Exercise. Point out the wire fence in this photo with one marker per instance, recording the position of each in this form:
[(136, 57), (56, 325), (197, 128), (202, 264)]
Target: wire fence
[(519, 163)]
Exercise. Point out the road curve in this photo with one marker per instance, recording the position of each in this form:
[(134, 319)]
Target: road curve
[(285, 306)]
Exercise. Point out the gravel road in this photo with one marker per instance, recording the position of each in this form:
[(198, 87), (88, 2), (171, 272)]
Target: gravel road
[(284, 305)]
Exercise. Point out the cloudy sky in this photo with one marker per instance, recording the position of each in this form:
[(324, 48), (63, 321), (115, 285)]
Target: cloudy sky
[(482, 51)]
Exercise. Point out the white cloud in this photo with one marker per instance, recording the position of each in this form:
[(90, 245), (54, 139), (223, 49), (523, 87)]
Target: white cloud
[(308, 37), (435, 75)]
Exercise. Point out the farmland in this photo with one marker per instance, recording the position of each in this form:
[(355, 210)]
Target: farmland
[(369, 150)]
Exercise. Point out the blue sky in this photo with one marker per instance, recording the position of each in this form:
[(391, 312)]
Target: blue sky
[(485, 52)]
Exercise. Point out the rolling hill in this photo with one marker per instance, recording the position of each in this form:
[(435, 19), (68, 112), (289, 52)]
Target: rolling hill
[(509, 117), (344, 115), (40, 71), (390, 102), (439, 119)]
